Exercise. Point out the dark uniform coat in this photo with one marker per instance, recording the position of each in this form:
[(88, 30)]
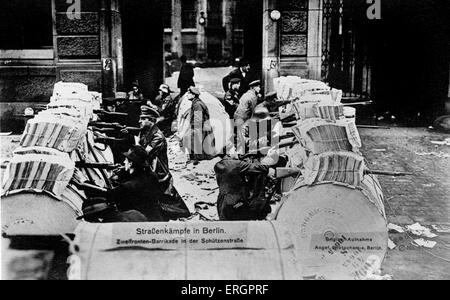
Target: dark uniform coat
[(231, 102), (138, 192), (200, 131), (167, 109), (245, 80), (133, 109), (239, 199), (186, 78), (172, 203)]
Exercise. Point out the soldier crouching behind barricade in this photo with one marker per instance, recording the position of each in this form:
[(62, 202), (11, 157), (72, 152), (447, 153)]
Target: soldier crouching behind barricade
[(154, 142), (240, 199), (136, 194)]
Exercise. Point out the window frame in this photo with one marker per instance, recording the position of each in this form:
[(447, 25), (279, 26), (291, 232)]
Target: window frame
[(42, 53)]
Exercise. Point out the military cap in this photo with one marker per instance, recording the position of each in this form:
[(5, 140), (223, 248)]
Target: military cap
[(235, 80), (165, 88), (138, 155), (243, 62), (255, 83), (147, 111)]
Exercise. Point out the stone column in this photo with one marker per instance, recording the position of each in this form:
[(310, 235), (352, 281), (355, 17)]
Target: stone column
[(108, 65), (202, 51), (227, 43), (117, 44), (177, 42), (314, 57), (447, 104), (271, 53)]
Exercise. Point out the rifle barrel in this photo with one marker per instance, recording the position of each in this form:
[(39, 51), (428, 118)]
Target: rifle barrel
[(387, 173)]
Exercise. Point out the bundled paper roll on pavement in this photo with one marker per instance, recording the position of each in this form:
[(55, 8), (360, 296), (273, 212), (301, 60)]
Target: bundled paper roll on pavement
[(185, 251), (340, 230)]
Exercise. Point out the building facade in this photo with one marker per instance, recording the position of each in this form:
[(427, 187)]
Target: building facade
[(107, 44)]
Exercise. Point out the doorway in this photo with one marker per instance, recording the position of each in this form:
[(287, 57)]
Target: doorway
[(142, 31), (252, 16)]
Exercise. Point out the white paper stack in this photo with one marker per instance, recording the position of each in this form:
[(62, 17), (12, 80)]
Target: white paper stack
[(39, 169), (319, 136), (57, 131), (342, 167), (293, 87)]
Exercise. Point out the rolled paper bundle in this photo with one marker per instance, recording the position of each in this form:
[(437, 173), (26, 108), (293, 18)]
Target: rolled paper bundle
[(326, 110), (342, 167), (32, 169), (319, 136), (329, 111), (293, 87), (85, 108), (71, 90), (252, 250), (339, 230), (53, 131)]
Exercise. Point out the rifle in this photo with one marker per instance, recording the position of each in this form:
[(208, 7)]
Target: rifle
[(87, 187), (100, 166), (107, 125), (273, 105), (109, 113), (293, 172)]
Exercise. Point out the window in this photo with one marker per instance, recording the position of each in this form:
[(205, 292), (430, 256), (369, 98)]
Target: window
[(26, 24), (189, 13), (167, 13), (215, 12), (238, 19)]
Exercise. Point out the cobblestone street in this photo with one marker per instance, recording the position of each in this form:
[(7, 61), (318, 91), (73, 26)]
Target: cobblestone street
[(423, 198)]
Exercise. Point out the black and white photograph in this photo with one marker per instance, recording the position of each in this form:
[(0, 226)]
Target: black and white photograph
[(225, 145)]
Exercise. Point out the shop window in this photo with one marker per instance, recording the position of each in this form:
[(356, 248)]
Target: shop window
[(26, 24)]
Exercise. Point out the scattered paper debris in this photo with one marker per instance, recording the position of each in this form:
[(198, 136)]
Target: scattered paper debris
[(446, 142), (420, 230), (391, 245), (440, 154), (393, 227), (441, 228), (424, 243), (379, 150)]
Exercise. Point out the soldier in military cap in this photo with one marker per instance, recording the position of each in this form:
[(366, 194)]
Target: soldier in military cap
[(154, 142)]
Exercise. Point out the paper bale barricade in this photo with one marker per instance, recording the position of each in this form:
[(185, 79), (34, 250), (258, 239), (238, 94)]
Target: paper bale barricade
[(37, 194), (335, 208)]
